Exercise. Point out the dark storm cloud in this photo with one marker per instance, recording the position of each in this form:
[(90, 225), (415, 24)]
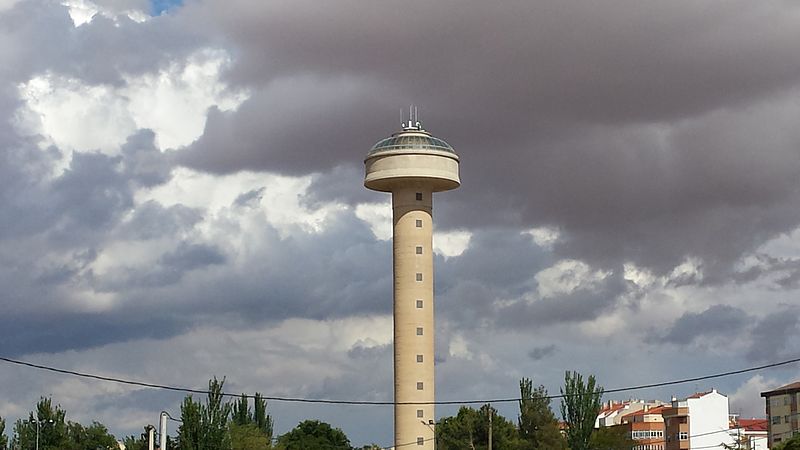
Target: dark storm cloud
[(580, 304), (646, 133), (774, 334), (151, 220), (538, 353), (717, 320)]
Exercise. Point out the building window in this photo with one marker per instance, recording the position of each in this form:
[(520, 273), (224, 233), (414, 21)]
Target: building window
[(419, 249), (785, 419), (419, 385), (776, 420), (419, 196), (419, 304), (419, 223), (419, 358), (420, 441), (683, 435), (786, 400), (419, 331), (419, 276), (420, 413)]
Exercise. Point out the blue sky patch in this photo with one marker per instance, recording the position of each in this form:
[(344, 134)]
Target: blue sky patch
[(157, 7)]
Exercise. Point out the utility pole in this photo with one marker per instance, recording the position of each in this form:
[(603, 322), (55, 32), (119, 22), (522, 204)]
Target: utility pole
[(162, 424), (491, 413), (151, 437)]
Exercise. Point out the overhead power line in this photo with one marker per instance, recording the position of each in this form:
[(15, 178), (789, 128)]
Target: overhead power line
[(377, 403)]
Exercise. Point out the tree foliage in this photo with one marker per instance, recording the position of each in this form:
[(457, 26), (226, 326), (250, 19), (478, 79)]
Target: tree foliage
[(314, 434), (3, 437), (611, 438), (250, 430), (55, 433), (537, 425), (579, 408), (469, 429), (791, 444), (205, 426)]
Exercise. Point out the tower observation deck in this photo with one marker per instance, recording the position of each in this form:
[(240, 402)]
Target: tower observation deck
[(412, 164)]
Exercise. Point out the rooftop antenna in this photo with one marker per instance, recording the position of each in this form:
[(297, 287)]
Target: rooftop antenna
[(416, 117), (402, 120)]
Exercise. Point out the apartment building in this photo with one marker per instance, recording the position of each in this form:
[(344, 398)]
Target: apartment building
[(646, 427), (750, 434), (781, 406), (698, 421)]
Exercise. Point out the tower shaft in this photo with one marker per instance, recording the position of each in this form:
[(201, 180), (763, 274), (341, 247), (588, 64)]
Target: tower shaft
[(412, 164), (413, 315)]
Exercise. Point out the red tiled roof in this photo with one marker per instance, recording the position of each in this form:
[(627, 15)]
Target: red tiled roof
[(753, 424), (641, 412), (698, 395)]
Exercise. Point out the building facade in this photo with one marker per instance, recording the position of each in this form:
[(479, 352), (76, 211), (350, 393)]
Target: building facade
[(646, 427), (781, 407), (699, 421)]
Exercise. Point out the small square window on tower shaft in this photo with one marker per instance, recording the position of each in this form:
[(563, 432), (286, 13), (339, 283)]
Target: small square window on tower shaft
[(419, 331), (420, 440), (419, 196), (419, 223), (420, 386), (419, 358), (419, 276), (419, 249), (420, 413), (419, 304)]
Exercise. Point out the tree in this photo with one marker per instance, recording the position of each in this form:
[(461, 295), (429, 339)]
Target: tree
[(314, 434), (134, 443), (93, 437), (537, 425), (3, 437), (250, 430), (190, 433), (579, 408), (469, 429), (791, 444), (260, 417), (55, 433), (52, 427), (611, 438), (248, 437), (215, 416)]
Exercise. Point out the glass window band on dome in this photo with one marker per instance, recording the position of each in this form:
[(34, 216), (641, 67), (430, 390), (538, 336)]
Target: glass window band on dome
[(411, 142)]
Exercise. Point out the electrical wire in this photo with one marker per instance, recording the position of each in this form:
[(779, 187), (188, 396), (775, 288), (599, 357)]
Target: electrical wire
[(377, 403)]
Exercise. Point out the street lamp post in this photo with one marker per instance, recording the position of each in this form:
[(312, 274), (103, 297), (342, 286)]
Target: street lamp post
[(38, 422)]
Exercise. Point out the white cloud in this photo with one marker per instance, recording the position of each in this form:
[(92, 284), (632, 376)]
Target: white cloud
[(5, 5), (544, 237), (451, 243), (747, 399), (173, 102), (379, 218), (566, 276), (83, 11)]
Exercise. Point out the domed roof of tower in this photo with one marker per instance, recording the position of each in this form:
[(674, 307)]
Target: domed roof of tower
[(413, 139)]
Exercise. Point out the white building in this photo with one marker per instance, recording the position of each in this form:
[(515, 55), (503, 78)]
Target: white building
[(698, 422)]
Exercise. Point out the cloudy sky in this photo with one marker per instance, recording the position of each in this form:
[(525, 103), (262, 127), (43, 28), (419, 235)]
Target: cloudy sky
[(181, 197)]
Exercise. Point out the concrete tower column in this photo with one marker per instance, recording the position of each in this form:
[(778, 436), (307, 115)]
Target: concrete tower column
[(413, 313), (412, 165)]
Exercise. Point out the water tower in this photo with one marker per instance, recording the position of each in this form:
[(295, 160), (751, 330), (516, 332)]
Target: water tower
[(412, 164)]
